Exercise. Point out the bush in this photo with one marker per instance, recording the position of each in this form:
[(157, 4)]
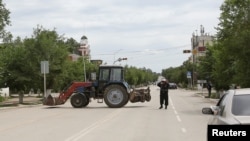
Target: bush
[(1, 98), (215, 95)]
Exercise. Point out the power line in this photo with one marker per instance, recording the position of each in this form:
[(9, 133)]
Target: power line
[(145, 51)]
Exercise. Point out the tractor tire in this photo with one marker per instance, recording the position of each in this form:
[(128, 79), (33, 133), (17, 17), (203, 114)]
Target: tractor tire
[(79, 100), (115, 96)]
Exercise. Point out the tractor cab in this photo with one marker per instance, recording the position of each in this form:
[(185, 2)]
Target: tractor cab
[(108, 75)]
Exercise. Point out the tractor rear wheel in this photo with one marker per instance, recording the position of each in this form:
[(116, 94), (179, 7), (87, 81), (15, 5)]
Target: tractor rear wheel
[(115, 96), (79, 100)]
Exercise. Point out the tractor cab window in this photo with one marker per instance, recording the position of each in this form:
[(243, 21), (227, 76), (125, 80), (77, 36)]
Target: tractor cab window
[(116, 74), (104, 74)]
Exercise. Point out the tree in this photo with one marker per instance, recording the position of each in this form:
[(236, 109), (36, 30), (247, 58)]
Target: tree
[(72, 45), (232, 51), (205, 66), (21, 60), (45, 45), (4, 21), (137, 76)]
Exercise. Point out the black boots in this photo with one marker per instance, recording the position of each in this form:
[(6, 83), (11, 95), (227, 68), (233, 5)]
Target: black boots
[(162, 107)]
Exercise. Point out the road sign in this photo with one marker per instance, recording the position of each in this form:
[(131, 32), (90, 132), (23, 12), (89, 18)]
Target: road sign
[(203, 48), (44, 67), (189, 74), (201, 81), (194, 51), (44, 70)]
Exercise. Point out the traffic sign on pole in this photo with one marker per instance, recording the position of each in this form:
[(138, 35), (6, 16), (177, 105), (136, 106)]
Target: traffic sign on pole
[(44, 67), (186, 51), (44, 70)]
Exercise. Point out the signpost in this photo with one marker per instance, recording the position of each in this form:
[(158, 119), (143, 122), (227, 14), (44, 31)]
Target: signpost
[(44, 71), (189, 77)]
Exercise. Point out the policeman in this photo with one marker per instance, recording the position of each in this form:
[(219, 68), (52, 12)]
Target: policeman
[(164, 85)]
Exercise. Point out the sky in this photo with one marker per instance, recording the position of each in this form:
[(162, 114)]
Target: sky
[(151, 34)]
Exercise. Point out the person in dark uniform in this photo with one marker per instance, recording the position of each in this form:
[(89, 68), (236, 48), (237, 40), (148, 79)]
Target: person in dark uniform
[(164, 85), (209, 88)]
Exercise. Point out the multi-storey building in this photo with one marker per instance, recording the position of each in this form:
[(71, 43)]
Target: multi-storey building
[(199, 44)]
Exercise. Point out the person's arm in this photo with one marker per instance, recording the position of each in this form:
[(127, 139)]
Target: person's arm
[(159, 84)]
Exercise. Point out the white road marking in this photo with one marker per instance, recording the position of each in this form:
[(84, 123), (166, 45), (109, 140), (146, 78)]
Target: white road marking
[(178, 118), (93, 126), (177, 115), (183, 130)]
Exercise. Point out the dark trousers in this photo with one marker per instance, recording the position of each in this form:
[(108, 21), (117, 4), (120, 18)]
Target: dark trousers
[(209, 92), (164, 99)]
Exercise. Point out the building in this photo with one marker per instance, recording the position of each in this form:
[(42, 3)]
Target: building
[(83, 50), (199, 44)]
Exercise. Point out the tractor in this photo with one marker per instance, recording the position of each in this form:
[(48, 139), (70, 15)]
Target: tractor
[(108, 86)]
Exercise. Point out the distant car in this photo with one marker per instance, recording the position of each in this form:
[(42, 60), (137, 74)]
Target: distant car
[(172, 86), (233, 108)]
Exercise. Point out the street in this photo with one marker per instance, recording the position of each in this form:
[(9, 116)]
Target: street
[(182, 120)]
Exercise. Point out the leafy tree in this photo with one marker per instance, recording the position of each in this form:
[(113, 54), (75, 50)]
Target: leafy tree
[(232, 51), (21, 60), (137, 76), (46, 45), (205, 66), (4, 21), (13, 66), (72, 45)]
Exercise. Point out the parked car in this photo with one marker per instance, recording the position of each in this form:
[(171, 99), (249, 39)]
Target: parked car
[(172, 86), (233, 108)]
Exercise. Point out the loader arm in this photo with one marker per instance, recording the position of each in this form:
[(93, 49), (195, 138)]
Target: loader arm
[(65, 94)]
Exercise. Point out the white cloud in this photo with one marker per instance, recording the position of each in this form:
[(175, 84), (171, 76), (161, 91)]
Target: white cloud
[(148, 32)]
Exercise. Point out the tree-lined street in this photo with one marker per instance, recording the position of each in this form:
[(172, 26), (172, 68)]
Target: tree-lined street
[(182, 120)]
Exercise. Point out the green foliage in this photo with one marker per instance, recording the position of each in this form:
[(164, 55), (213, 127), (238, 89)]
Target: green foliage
[(178, 74), (72, 45), (21, 60), (137, 76), (205, 66), (232, 52), (4, 21), (226, 62), (1, 98)]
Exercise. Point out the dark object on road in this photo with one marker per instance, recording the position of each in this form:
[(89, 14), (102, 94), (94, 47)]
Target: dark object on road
[(172, 86)]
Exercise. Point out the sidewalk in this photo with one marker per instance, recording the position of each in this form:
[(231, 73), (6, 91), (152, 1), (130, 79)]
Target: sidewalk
[(13, 101), (204, 94)]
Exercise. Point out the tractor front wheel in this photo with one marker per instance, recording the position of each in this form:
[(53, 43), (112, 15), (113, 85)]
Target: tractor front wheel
[(79, 100)]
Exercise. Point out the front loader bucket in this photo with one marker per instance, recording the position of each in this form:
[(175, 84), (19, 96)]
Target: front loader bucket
[(50, 100)]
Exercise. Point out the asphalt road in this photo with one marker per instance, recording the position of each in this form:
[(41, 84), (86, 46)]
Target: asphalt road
[(182, 120)]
